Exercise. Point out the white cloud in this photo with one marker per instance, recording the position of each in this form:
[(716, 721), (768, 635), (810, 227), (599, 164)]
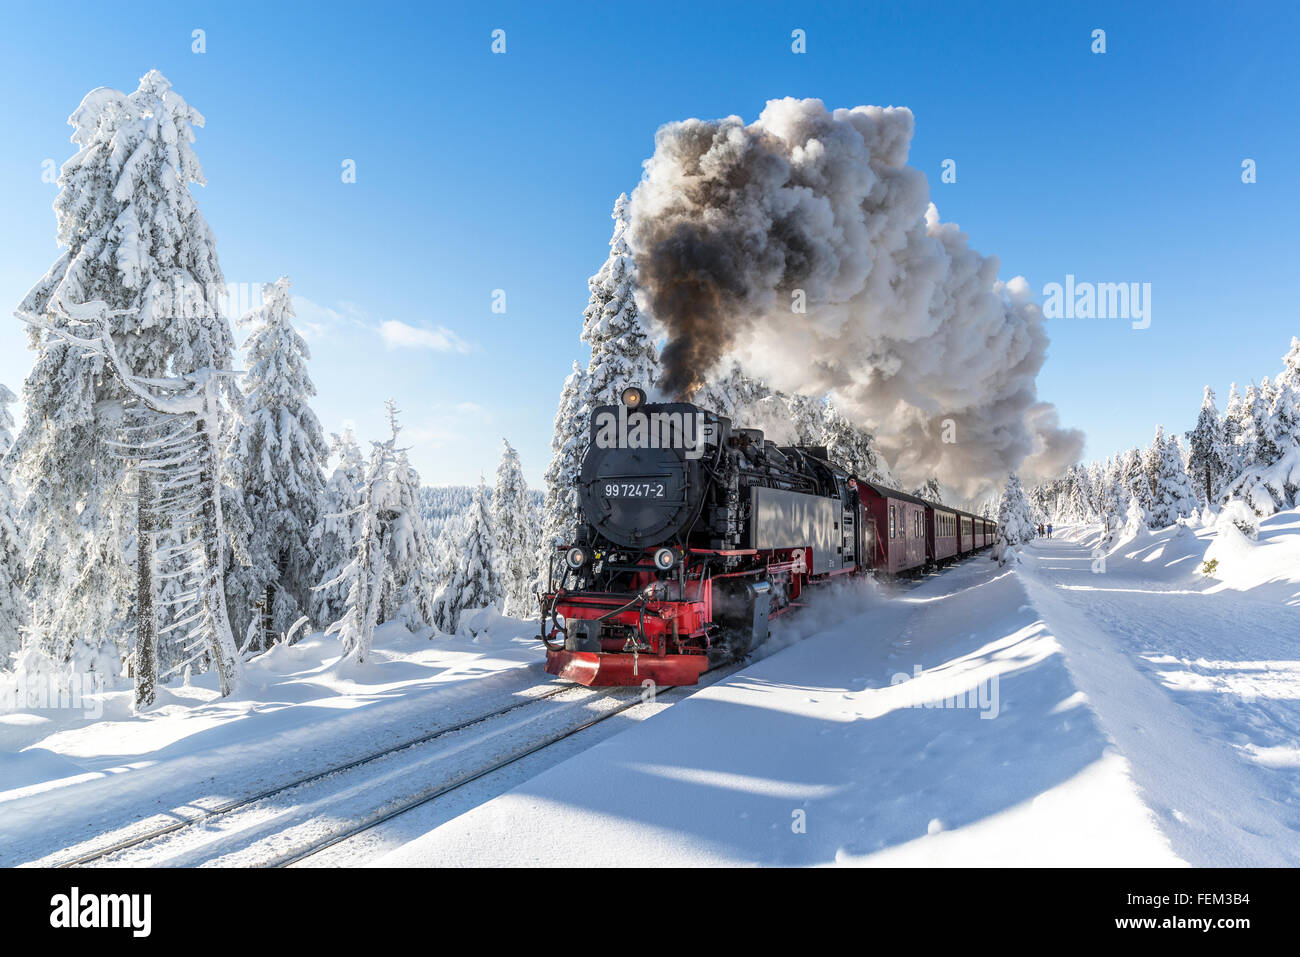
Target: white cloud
[(398, 335)]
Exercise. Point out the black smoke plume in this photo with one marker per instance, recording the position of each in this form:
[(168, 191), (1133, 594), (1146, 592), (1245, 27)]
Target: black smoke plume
[(736, 226)]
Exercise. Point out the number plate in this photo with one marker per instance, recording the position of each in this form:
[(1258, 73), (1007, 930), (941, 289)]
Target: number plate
[(635, 490)]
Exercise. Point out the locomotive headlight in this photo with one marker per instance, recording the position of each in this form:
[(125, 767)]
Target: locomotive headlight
[(575, 557), (665, 558), (632, 397)]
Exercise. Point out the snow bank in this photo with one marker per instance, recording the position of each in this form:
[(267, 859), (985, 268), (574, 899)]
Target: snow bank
[(1192, 671), (1272, 558)]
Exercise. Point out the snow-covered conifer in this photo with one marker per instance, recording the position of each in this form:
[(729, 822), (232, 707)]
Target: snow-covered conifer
[(446, 546), (1285, 410), (1134, 476), (1137, 518), (471, 582), (277, 462), (388, 577), (1210, 459), (807, 416), (931, 491), (1172, 495), (134, 239), (1232, 427), (338, 528), (1015, 524), (561, 512), (623, 351), (363, 576), (737, 396), (513, 523), (1270, 479), (853, 448), (1264, 446), (408, 585), (1071, 502)]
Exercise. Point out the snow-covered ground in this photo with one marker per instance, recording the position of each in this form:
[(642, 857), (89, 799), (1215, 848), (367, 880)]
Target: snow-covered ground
[(1138, 713), (70, 774), (1135, 711)]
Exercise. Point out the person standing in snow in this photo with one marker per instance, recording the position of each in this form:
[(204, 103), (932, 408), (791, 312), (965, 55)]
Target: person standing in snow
[(1049, 529)]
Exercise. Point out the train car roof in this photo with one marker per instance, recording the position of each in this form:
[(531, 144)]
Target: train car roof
[(884, 491)]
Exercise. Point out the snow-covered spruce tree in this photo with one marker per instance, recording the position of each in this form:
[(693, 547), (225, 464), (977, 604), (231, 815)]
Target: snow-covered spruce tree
[(1270, 479), (173, 429), (1098, 476), (13, 603), (561, 512), (388, 576), (445, 546), (338, 529), (1244, 428), (1264, 447), (408, 585), (1015, 524), (930, 491), (1137, 518), (1134, 477), (1286, 404), (1104, 502), (853, 448), (471, 582), (1075, 495), (134, 239), (513, 523), (1232, 426), (1173, 495), (277, 462), (363, 576), (1040, 509), (735, 395), (623, 351), (1152, 458), (1210, 459), (807, 415), (173, 590)]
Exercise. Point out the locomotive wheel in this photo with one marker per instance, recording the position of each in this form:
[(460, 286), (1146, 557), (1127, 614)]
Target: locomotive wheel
[(730, 644)]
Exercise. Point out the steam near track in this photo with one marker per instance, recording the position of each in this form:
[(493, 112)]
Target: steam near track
[(905, 323)]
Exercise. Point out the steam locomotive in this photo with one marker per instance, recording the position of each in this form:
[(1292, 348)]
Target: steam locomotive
[(697, 534)]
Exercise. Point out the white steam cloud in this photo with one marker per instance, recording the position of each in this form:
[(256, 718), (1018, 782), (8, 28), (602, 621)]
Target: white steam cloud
[(906, 325)]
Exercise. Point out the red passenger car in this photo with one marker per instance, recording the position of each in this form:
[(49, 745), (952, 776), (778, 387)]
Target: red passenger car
[(965, 533), (941, 533), (899, 520)]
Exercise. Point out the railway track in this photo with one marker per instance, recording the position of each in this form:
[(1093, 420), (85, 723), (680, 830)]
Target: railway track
[(207, 814), (293, 821), (431, 794)]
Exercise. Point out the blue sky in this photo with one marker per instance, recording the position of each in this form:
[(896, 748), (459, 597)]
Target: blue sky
[(478, 172)]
